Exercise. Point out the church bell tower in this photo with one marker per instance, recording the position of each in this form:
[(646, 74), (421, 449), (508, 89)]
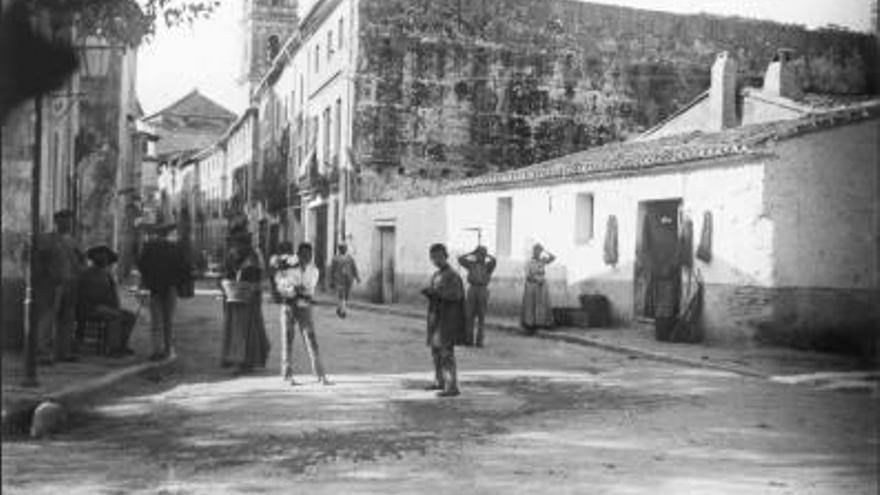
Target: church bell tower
[(267, 25)]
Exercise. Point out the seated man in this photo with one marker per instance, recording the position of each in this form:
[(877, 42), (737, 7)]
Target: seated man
[(99, 300)]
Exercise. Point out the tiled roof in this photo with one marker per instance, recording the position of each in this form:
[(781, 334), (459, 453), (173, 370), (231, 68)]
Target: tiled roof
[(635, 156), (173, 142), (195, 104)]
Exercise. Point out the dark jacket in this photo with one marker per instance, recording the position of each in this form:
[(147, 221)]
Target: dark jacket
[(96, 288), (58, 259), (163, 265), (446, 317)]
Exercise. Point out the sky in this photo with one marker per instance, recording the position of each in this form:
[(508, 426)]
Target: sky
[(207, 56)]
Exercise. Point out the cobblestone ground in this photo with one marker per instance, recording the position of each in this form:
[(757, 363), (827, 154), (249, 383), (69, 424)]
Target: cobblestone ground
[(534, 415)]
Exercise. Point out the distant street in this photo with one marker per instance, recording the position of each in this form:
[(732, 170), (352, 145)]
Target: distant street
[(535, 416)]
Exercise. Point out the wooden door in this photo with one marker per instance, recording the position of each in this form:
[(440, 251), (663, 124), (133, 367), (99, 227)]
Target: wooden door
[(657, 267)]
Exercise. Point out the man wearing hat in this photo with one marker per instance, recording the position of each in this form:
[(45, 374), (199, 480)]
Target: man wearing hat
[(58, 265), (164, 267), (479, 265), (99, 299)]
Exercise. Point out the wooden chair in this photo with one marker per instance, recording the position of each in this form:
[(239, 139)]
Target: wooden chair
[(94, 332)]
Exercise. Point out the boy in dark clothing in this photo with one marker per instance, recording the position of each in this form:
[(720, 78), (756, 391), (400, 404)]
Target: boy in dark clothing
[(446, 325)]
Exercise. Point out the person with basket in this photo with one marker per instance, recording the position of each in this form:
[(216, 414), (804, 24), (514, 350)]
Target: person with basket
[(245, 344), (295, 280)]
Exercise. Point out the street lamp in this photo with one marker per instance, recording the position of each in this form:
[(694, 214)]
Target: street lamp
[(94, 57)]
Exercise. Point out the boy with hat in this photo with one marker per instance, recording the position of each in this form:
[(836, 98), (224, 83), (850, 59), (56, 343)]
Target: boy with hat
[(99, 300)]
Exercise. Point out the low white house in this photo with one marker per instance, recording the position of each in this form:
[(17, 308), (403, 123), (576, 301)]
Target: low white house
[(792, 246)]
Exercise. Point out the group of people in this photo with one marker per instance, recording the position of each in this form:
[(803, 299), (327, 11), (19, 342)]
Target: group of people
[(455, 316), (293, 280), (69, 292), (73, 289)]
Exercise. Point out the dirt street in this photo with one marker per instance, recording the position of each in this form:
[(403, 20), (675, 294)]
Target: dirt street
[(534, 415)]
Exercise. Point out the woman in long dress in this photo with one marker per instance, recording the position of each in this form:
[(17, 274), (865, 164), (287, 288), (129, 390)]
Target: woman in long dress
[(536, 310), (245, 344)]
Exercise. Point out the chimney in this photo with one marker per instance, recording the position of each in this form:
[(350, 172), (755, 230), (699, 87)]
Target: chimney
[(780, 78), (722, 93)]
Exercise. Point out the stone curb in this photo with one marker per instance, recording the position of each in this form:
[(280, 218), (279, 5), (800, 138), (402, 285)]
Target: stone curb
[(18, 415), (584, 341)]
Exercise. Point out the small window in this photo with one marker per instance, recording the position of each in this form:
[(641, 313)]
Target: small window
[(583, 218), (317, 58), (329, 45), (339, 35), (504, 226), (338, 131), (273, 47)]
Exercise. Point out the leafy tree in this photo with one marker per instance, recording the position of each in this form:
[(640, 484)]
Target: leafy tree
[(128, 21)]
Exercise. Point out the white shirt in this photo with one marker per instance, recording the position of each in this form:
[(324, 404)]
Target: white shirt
[(306, 276)]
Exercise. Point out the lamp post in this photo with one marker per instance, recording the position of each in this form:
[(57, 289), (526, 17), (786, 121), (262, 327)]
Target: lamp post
[(93, 66), (95, 63)]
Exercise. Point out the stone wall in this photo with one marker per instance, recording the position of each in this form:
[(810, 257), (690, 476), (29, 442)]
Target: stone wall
[(447, 88)]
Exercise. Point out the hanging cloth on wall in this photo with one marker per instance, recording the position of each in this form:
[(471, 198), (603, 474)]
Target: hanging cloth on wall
[(704, 250), (610, 253), (686, 243)]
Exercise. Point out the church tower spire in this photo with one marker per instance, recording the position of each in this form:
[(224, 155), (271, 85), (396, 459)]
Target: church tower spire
[(267, 24)]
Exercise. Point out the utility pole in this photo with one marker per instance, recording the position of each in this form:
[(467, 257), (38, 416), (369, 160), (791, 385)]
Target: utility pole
[(30, 316)]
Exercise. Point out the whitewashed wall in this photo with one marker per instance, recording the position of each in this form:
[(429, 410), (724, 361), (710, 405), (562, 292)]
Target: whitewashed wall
[(734, 194)]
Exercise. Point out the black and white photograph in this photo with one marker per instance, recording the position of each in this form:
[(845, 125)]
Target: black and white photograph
[(599, 247)]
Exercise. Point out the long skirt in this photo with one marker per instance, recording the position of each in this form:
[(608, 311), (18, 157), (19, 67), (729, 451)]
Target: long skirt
[(245, 343), (536, 312)]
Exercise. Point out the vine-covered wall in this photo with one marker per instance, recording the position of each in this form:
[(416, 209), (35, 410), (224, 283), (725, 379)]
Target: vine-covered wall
[(448, 88)]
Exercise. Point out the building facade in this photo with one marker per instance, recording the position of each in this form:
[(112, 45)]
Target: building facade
[(382, 100), (781, 207), (792, 239)]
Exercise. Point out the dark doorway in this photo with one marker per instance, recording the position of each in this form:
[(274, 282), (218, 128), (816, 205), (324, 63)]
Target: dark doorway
[(657, 279), (319, 228), (386, 264)]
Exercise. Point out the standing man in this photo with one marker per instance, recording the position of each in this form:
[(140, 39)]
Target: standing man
[(59, 263), (99, 300), (343, 274), (479, 265), (164, 267), (296, 280), (446, 325)]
